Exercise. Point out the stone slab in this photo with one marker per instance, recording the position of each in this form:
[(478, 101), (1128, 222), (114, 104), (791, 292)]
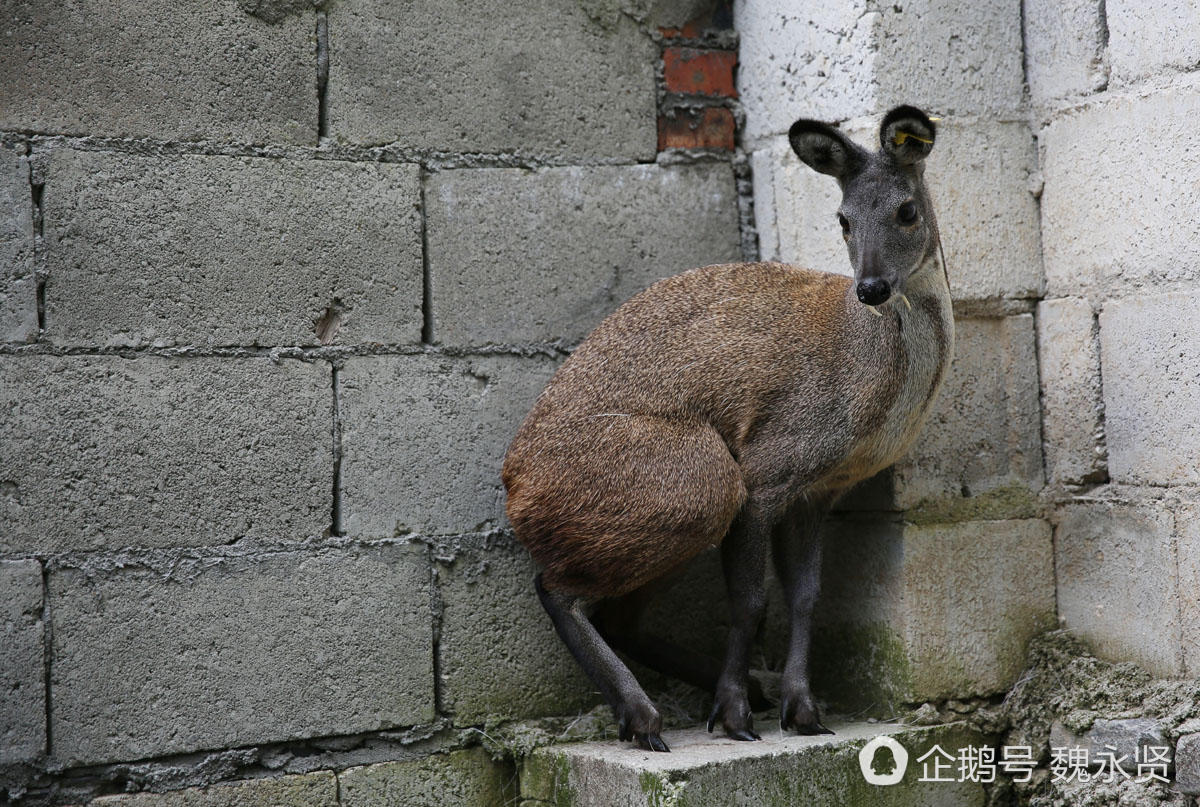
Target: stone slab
[(1064, 48), (1109, 226), (211, 651), (547, 78), (319, 789), (499, 655), (102, 452), (1147, 38), (468, 778), (211, 251), (978, 176), (843, 60), (1072, 403), (1115, 566), (910, 613), (1149, 348), (424, 437), (1187, 764), (18, 286), (518, 256), (167, 70), (22, 664), (704, 769)]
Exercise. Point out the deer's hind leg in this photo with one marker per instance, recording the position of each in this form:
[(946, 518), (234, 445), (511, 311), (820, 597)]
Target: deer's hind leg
[(637, 717)]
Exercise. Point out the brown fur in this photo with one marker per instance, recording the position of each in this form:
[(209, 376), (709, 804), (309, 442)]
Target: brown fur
[(710, 384)]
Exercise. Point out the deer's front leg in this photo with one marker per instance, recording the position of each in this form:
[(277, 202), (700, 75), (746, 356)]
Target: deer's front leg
[(744, 558), (796, 545)]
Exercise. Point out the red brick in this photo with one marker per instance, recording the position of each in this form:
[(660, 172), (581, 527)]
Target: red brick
[(708, 128), (699, 72)]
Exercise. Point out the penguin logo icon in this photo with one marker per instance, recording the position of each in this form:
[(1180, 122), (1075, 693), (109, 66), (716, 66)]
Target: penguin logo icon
[(867, 756)]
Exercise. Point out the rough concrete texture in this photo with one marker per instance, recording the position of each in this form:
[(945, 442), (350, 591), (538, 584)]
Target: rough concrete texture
[(424, 437), (1065, 684), (978, 177), (22, 662), (166, 70), (209, 250), (1126, 738), (318, 789), (1187, 764), (216, 651), (1149, 348), (838, 61), (1148, 38), (101, 452), (979, 454), (1115, 564), (782, 769), (18, 286), (1187, 528), (519, 256), (538, 78), (1064, 48), (910, 613), (1072, 407), (461, 778), (1142, 226), (499, 654)]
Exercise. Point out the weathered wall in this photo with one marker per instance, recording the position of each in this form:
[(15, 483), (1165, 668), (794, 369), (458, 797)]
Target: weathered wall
[(277, 283), (938, 571), (1115, 99)]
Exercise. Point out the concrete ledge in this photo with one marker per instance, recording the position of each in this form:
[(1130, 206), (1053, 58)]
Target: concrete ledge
[(706, 769)]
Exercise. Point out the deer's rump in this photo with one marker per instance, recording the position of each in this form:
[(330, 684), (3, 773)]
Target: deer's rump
[(608, 502)]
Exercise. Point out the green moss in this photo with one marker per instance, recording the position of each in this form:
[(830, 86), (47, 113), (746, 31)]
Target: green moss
[(861, 668), (1008, 502)]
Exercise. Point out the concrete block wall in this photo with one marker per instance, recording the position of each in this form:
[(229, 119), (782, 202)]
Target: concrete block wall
[(278, 282), (942, 527), (1114, 110)]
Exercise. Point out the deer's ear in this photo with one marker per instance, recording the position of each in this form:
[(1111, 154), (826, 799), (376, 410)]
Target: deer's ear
[(823, 148), (907, 134)]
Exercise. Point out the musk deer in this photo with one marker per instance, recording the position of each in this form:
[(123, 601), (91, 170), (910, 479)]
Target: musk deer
[(731, 405)]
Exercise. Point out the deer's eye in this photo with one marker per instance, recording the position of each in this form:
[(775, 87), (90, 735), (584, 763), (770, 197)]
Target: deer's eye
[(845, 225), (907, 212)]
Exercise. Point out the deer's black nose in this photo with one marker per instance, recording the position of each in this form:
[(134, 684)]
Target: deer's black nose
[(874, 291)]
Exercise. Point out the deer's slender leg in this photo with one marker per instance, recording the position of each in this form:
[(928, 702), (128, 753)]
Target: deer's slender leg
[(637, 719), (744, 557), (797, 551)]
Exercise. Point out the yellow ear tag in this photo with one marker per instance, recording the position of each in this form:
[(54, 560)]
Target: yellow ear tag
[(900, 137)]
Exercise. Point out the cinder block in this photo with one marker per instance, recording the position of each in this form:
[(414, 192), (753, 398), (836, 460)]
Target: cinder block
[(1117, 587), (18, 286), (703, 770), (1149, 348), (518, 256), (1145, 37), (102, 452), (22, 662), (978, 177), (979, 454), (1064, 48), (307, 790), (843, 60), (424, 437), (500, 656), (910, 613), (1187, 531), (1109, 225), (215, 651), (1072, 409), (210, 250), (535, 78), (468, 778), (166, 70)]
